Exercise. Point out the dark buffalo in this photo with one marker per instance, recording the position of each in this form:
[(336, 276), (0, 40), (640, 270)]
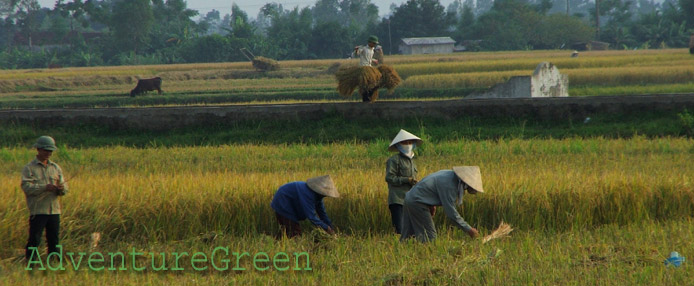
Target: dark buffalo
[(147, 84)]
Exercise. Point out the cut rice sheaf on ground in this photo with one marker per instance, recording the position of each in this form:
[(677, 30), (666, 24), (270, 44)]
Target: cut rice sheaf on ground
[(502, 231)]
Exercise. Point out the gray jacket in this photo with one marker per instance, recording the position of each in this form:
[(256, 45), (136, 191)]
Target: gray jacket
[(439, 189)]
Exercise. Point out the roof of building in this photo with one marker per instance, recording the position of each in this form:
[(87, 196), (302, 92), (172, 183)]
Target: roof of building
[(428, 41)]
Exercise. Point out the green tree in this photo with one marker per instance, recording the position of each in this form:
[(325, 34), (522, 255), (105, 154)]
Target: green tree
[(464, 26), (509, 25), (291, 33), (73, 11), (212, 48), (420, 18), (687, 12), (172, 23), (131, 23), (327, 41), (326, 11), (654, 30), (559, 30)]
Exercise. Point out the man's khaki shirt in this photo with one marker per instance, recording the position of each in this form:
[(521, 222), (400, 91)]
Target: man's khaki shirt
[(35, 177)]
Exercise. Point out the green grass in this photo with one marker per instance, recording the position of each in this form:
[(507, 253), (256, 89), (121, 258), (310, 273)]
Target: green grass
[(609, 255), (335, 128)]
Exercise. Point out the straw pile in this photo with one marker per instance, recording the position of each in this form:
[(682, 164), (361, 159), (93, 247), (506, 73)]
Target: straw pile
[(389, 78), (265, 64), (502, 231), (352, 77)]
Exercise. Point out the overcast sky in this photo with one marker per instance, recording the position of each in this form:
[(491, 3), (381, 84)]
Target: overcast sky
[(253, 6)]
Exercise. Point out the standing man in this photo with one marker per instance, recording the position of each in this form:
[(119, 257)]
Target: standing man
[(443, 188), (366, 60), (691, 44), (43, 182), (297, 201), (366, 53), (401, 174)]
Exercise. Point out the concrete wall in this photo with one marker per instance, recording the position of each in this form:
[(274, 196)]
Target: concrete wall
[(546, 81), (426, 49), (517, 86), (165, 118)]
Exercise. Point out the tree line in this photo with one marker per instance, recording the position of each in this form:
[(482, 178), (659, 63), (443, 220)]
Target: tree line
[(122, 32)]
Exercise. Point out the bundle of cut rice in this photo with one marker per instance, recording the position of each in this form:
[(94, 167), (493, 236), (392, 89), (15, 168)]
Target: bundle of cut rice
[(389, 78), (502, 231), (265, 64), (352, 77)]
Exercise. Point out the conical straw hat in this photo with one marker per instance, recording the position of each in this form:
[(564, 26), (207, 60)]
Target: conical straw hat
[(403, 136), (323, 185), (471, 176)]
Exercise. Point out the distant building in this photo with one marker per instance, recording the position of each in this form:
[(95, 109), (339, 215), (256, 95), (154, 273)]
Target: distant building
[(431, 45)]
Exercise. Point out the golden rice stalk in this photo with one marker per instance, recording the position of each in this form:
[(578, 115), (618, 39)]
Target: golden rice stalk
[(352, 77), (390, 78), (374, 96), (265, 64), (502, 231), (96, 237)]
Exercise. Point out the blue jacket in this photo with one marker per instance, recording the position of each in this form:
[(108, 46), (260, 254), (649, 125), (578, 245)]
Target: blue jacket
[(296, 201)]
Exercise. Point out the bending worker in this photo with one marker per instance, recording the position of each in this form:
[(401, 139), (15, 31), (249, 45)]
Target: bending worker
[(443, 188), (401, 174), (297, 201)]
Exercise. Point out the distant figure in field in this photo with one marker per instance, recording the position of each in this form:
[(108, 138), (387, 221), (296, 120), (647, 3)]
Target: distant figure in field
[(297, 201), (145, 85), (574, 54), (443, 188), (401, 174), (691, 44), (42, 183)]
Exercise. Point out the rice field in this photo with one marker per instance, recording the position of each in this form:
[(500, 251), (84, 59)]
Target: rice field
[(451, 75), (583, 210), (590, 204)]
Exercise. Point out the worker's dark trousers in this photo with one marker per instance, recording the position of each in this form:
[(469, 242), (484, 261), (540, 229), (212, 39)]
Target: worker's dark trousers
[(396, 216), (367, 94), (691, 51), (288, 227), (36, 225)]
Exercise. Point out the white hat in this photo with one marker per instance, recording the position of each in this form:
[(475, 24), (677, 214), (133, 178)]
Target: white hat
[(403, 136), (471, 176), (323, 185)]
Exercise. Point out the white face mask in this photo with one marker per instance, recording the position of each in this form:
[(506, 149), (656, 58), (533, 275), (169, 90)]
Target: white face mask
[(407, 150)]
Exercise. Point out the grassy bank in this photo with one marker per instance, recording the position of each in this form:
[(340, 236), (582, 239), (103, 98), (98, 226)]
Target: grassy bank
[(336, 128)]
